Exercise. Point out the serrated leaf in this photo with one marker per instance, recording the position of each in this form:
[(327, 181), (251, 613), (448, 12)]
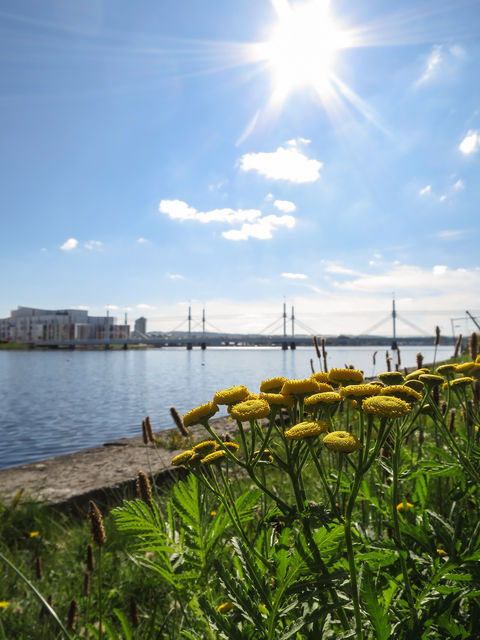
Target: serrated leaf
[(377, 616)]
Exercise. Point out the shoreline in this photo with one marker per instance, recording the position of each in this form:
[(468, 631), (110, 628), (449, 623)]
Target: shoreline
[(69, 481)]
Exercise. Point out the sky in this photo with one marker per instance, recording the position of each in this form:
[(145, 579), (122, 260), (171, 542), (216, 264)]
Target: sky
[(239, 156)]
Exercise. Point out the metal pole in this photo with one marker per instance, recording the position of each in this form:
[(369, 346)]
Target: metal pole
[(293, 321), (284, 320), (189, 320), (203, 322), (472, 318), (394, 315)]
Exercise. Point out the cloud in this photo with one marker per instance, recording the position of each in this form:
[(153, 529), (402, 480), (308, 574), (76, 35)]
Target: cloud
[(142, 305), (174, 276), (459, 185), (425, 190), (470, 143), (450, 234), (433, 62), (179, 210), (142, 240), (93, 244), (335, 268), (283, 164), (262, 229), (111, 307), (69, 244), (284, 205), (439, 269), (295, 276)]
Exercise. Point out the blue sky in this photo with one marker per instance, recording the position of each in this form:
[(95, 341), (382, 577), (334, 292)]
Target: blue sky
[(157, 154)]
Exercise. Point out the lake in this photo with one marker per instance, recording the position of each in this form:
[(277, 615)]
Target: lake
[(55, 402)]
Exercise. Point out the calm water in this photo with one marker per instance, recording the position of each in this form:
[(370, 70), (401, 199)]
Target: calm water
[(54, 402)]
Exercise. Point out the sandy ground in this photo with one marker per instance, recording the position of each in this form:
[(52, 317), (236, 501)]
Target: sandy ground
[(99, 473)]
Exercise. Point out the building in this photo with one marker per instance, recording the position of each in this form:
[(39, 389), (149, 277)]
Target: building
[(141, 326), (38, 326)]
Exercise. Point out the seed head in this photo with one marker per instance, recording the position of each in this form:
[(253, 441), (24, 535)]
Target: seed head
[(149, 430), (90, 562), (178, 422), (96, 524), (458, 345), (419, 360), (72, 615), (436, 342), (86, 584), (144, 432), (39, 567), (473, 345), (144, 490)]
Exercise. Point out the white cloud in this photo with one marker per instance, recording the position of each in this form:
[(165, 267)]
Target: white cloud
[(425, 190), (285, 205), (433, 62), (111, 307), (459, 185), (179, 210), (295, 276), (450, 233), (261, 229), (142, 240), (174, 276), (93, 244), (336, 268), (142, 305), (439, 269), (283, 164), (269, 196), (471, 142), (69, 244)]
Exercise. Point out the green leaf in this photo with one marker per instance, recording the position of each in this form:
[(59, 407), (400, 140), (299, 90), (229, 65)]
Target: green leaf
[(127, 631), (377, 616)]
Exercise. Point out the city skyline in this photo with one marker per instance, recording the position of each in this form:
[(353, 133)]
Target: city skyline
[(216, 156)]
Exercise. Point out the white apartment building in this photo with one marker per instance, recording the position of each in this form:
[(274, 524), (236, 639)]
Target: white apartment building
[(38, 326)]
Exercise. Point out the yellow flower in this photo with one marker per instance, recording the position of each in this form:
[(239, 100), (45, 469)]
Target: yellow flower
[(278, 399), (391, 377), (213, 513), (204, 412), (404, 506), (231, 395), (430, 380), (402, 392), (441, 552), (345, 376), (231, 446), (466, 368), (34, 534), (414, 374), (272, 385), (299, 387), (342, 441), (446, 369), (458, 382), (225, 607), (265, 457), (182, 458), (216, 456), (250, 410), (416, 385), (329, 397), (477, 359), (386, 406), (304, 430), (360, 390), (4, 604), (205, 447), (320, 376)]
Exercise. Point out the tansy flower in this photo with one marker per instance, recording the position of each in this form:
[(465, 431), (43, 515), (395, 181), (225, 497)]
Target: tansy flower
[(342, 441), (458, 383), (430, 380), (213, 513), (391, 377), (345, 376), (320, 376), (465, 368), (402, 392), (386, 406), (231, 446), (318, 399), (250, 410), (304, 430), (404, 506), (225, 607), (272, 385), (360, 390), (441, 552), (299, 387), (232, 395), (216, 456), (278, 399), (182, 458), (265, 457), (205, 447), (34, 534), (414, 374), (4, 604), (416, 385), (446, 370), (204, 412)]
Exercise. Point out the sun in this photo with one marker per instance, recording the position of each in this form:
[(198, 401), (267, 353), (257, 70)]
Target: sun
[(302, 47)]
